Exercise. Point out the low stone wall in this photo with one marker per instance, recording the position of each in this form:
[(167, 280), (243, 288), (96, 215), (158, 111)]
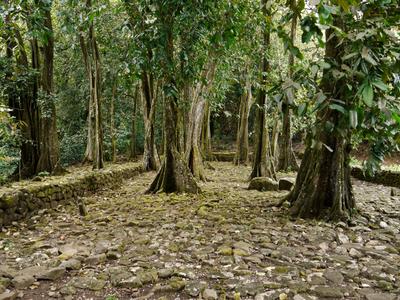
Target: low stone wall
[(388, 178), (24, 199)]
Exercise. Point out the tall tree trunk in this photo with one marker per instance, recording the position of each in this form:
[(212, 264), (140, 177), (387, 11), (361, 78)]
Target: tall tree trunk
[(91, 56), (112, 124), (263, 164), (242, 136), (49, 146), (132, 152), (287, 159), (194, 155), (174, 175), (323, 185), (206, 146), (150, 95)]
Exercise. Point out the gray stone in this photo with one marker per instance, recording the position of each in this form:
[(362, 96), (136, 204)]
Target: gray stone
[(382, 296), (334, 276), (91, 283), (96, 259), (8, 295), (71, 264), (165, 273), (130, 283), (342, 238), (328, 292), (194, 288), (23, 281), (210, 294), (52, 274), (286, 184), (6, 271), (263, 184)]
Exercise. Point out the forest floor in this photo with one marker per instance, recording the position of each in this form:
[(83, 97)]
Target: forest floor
[(222, 242)]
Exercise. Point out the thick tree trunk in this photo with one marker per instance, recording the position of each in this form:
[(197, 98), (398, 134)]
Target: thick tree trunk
[(287, 159), (242, 137), (263, 163), (49, 147), (206, 146), (323, 185), (132, 152), (149, 93), (112, 124), (174, 175)]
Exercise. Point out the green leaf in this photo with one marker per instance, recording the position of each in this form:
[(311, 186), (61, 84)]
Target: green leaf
[(353, 117), (368, 95), (344, 4), (380, 85), (338, 108)]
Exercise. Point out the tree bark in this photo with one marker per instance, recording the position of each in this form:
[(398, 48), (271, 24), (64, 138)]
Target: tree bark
[(91, 56), (194, 155), (206, 146), (263, 164), (287, 159), (132, 152), (149, 93), (49, 147), (112, 124), (242, 137), (323, 185), (174, 175)]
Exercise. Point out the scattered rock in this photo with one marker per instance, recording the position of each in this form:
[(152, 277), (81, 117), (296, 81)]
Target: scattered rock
[(71, 264), (96, 259), (382, 296), (286, 184), (52, 274), (334, 276), (194, 288), (23, 281), (263, 184), (342, 238), (328, 292), (8, 295), (210, 294)]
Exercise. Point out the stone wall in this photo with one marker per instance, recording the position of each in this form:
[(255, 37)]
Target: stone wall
[(388, 178), (24, 199)]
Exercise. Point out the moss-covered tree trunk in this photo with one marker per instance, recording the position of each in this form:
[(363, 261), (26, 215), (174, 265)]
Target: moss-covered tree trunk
[(49, 156), (287, 159), (112, 124), (206, 145), (242, 137), (263, 162), (174, 175), (149, 93), (323, 185)]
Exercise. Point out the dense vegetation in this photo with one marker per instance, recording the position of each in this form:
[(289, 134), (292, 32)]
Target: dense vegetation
[(88, 81)]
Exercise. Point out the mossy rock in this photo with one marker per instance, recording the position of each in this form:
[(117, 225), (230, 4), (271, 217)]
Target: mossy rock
[(263, 184)]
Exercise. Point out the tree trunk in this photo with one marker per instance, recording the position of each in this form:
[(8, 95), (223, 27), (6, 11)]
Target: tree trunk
[(194, 155), (287, 159), (242, 137), (91, 56), (323, 185), (132, 152), (149, 111), (49, 147), (174, 175), (112, 124), (263, 164), (206, 147)]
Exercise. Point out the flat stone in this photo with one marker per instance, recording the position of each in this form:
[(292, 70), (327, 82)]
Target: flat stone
[(263, 184), (96, 259), (23, 281), (165, 273), (6, 271), (210, 294), (130, 283), (8, 295), (342, 238), (328, 292), (334, 276), (381, 296), (52, 274), (91, 283), (71, 264), (194, 288)]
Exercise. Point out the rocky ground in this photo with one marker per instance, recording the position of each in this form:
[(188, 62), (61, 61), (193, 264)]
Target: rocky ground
[(227, 242)]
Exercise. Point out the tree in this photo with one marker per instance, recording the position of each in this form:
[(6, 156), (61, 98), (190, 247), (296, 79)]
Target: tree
[(91, 58), (263, 163), (323, 185)]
